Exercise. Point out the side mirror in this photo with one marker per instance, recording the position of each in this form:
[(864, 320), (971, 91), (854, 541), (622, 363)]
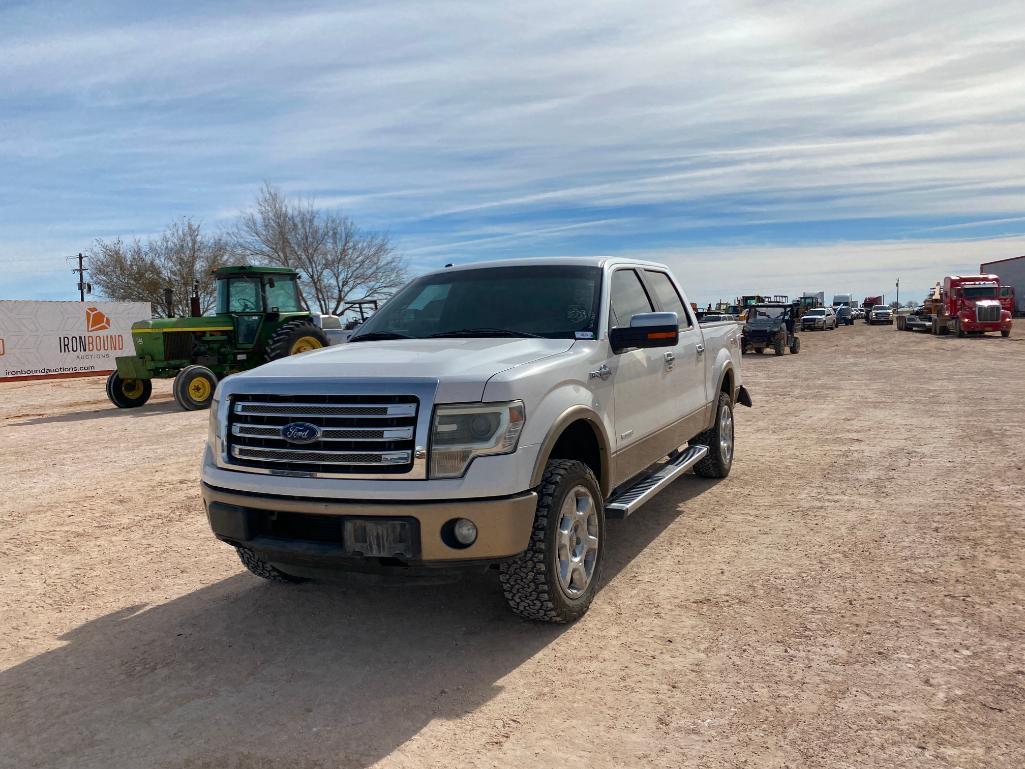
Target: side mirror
[(649, 329)]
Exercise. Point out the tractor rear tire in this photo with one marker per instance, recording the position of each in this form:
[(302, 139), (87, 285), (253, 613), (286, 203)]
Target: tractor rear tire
[(194, 387), (295, 337), (128, 393)]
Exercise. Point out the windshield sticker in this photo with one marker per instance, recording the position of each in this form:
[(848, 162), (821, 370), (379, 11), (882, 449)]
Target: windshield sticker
[(585, 335)]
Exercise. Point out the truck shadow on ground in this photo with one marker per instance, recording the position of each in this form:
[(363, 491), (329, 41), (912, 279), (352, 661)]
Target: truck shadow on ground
[(245, 673), (107, 412)]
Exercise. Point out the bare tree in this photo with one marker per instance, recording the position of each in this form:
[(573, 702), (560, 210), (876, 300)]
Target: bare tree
[(338, 261), (180, 257)]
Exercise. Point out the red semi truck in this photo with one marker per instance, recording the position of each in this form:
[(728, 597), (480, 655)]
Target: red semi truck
[(868, 304), (971, 305)]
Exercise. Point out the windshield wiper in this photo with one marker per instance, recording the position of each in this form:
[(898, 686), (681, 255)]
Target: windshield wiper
[(372, 336), (483, 332)]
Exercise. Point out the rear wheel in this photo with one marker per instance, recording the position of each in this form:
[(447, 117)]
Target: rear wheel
[(128, 393), (295, 337), (556, 577), (719, 439), (194, 387)]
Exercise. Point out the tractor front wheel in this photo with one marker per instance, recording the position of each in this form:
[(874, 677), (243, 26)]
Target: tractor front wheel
[(194, 387), (128, 393), (295, 337)]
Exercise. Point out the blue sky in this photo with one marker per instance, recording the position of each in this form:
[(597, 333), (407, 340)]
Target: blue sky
[(754, 146)]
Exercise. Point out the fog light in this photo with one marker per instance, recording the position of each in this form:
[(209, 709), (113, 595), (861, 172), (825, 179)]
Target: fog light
[(465, 532)]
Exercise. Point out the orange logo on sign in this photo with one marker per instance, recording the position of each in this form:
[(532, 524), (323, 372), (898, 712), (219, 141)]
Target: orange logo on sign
[(96, 320)]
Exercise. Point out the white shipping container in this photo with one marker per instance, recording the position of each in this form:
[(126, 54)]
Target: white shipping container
[(62, 339), (1012, 273)]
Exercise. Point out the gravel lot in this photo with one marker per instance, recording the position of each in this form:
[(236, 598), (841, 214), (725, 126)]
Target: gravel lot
[(851, 596)]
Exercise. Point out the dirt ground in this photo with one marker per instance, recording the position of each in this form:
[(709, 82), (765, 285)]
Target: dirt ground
[(851, 596)]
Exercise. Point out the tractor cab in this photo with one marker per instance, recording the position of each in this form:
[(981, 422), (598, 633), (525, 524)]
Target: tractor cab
[(251, 296)]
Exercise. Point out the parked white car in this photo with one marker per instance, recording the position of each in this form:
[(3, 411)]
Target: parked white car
[(819, 318), (492, 414)]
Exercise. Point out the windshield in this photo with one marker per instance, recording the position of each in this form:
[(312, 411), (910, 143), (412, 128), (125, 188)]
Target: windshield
[(557, 302), (880, 307), (979, 292), (765, 312), (816, 313)]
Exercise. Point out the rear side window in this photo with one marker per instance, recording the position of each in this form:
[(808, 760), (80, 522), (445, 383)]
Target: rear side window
[(628, 298), (667, 295)]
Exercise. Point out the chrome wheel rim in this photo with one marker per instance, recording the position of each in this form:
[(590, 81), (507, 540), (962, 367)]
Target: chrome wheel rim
[(726, 434), (577, 541)]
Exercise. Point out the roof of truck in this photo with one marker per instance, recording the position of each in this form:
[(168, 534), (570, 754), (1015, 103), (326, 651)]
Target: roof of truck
[(537, 261)]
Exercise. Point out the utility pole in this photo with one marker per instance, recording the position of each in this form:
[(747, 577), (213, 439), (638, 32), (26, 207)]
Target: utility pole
[(898, 293), (83, 287)]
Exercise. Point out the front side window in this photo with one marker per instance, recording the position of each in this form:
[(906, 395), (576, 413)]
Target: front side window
[(244, 295), (628, 298)]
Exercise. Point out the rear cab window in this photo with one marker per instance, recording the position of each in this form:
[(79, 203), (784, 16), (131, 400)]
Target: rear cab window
[(667, 295)]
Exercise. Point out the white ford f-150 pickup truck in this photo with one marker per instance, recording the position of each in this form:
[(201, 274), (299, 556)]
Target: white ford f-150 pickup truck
[(491, 414)]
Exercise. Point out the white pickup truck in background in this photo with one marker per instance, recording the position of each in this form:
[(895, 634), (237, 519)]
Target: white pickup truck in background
[(488, 415)]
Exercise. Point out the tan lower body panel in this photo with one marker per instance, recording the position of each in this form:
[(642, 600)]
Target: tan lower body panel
[(503, 525)]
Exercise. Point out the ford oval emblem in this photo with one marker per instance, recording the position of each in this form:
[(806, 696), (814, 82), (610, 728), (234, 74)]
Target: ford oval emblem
[(300, 432)]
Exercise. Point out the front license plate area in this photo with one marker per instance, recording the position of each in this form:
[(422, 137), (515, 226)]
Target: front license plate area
[(377, 538)]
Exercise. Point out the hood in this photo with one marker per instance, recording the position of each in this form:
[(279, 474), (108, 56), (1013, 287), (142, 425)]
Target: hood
[(460, 366)]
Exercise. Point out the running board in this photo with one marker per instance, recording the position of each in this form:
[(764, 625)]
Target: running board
[(626, 502)]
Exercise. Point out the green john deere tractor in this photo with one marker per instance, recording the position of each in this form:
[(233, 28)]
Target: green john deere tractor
[(259, 318)]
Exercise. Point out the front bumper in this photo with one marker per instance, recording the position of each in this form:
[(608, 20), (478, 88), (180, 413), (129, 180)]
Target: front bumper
[(309, 532)]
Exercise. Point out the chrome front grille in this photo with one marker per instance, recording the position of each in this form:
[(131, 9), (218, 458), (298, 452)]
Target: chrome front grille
[(988, 313), (358, 434)]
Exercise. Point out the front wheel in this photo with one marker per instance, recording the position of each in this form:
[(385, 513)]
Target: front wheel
[(719, 439), (1005, 332), (128, 393), (795, 346), (556, 577), (779, 346), (194, 387), (262, 569)]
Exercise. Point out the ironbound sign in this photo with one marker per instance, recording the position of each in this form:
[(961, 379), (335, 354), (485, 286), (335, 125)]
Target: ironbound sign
[(62, 339)]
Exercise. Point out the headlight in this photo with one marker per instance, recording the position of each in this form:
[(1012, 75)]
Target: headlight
[(462, 432)]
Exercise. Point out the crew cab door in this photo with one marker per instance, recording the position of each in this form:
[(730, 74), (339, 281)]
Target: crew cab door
[(685, 366), (638, 376)]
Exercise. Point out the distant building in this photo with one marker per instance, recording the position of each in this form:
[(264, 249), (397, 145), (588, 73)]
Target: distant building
[(1012, 273)]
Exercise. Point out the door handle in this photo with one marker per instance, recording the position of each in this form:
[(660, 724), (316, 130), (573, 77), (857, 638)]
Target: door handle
[(700, 348)]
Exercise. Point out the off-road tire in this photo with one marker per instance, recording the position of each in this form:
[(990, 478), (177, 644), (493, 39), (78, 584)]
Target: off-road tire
[(262, 568), (715, 465), (116, 387), (795, 346), (779, 346), (283, 340), (193, 388), (529, 581)]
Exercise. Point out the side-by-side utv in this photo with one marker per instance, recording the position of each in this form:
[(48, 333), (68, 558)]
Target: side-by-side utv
[(772, 325), (259, 318)]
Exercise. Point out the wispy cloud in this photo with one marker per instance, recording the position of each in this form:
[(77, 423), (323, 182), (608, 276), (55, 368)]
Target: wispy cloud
[(472, 130)]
